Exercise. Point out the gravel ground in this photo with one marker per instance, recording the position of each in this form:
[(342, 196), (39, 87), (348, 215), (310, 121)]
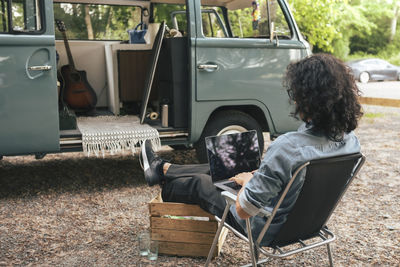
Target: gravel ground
[(70, 210)]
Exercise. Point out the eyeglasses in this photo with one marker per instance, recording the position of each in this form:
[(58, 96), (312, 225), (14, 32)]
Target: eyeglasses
[(290, 94)]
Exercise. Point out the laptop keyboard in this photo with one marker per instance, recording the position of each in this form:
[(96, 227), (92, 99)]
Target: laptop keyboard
[(233, 185)]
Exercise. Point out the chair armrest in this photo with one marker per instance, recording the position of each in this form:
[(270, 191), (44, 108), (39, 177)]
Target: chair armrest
[(229, 197), (231, 200), (264, 213)]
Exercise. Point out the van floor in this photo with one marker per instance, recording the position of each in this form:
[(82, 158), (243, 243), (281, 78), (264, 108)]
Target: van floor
[(70, 133), (155, 124), (95, 112), (75, 133)]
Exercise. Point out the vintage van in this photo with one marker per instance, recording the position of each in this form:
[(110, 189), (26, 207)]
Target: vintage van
[(215, 68)]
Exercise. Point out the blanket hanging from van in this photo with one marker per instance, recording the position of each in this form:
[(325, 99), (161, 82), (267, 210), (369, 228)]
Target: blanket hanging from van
[(115, 134)]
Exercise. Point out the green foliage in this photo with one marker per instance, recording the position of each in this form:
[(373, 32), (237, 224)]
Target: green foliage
[(22, 16), (350, 21), (315, 19), (370, 117), (373, 115), (344, 27), (108, 22), (162, 12), (4, 16), (377, 42), (341, 47), (241, 22), (379, 14)]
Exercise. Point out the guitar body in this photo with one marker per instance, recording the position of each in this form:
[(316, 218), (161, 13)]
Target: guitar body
[(77, 92)]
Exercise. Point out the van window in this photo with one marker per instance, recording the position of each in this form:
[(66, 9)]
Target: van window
[(173, 15), (25, 16), (212, 24), (282, 28), (179, 21), (97, 22), (250, 20), (4, 16)]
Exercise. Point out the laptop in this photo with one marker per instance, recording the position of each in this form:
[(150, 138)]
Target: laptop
[(231, 154)]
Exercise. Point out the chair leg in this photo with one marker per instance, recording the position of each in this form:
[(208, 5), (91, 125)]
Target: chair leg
[(251, 244), (329, 255), (216, 237), (256, 253)]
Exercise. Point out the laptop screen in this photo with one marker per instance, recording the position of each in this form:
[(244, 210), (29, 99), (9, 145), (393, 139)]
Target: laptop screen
[(231, 154)]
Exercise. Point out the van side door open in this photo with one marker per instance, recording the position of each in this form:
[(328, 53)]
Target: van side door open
[(28, 83)]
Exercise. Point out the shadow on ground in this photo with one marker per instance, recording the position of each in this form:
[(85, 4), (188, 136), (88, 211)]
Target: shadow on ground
[(73, 172), (68, 175)]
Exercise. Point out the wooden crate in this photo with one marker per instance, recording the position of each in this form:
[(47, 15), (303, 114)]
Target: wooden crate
[(183, 237)]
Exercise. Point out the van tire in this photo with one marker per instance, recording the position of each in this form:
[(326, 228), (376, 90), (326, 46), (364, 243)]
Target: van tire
[(225, 122)]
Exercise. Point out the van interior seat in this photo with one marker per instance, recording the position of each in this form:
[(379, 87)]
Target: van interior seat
[(152, 31), (88, 56)]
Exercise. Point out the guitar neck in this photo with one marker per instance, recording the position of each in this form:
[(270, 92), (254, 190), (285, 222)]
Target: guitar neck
[(68, 49)]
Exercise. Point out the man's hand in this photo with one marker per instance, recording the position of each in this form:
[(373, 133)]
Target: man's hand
[(242, 178)]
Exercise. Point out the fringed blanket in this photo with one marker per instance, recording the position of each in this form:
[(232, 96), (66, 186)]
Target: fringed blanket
[(115, 134)]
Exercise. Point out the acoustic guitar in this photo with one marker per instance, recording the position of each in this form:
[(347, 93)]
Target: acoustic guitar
[(76, 90)]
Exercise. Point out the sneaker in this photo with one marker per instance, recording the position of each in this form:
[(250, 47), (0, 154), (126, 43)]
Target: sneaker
[(152, 164)]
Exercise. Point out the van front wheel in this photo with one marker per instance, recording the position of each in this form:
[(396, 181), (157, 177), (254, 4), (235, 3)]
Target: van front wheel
[(227, 122)]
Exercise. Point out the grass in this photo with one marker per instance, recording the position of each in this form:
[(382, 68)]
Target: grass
[(373, 115), (370, 117)]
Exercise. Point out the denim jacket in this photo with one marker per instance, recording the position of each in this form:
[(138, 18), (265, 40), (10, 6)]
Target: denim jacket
[(283, 156)]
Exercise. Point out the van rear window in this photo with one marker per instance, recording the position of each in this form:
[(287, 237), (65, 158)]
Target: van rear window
[(97, 22)]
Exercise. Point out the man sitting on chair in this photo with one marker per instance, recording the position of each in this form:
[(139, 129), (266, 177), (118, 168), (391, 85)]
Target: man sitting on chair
[(326, 100)]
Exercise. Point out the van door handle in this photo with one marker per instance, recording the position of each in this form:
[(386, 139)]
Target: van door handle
[(207, 67), (45, 67)]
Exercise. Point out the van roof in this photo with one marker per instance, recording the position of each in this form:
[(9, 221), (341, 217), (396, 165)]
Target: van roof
[(230, 4)]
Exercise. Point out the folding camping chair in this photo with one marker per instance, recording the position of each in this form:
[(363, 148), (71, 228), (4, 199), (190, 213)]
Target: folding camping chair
[(325, 183)]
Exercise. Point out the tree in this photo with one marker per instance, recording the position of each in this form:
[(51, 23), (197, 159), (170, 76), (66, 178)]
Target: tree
[(315, 19), (350, 21), (88, 23), (97, 22), (346, 26), (393, 26), (379, 14)]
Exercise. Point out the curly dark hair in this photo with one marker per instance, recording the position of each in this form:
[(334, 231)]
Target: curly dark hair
[(325, 94)]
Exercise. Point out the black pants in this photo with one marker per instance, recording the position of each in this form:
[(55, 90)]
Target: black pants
[(192, 184)]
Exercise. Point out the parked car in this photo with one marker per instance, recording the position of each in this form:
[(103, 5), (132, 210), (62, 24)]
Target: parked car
[(374, 69)]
